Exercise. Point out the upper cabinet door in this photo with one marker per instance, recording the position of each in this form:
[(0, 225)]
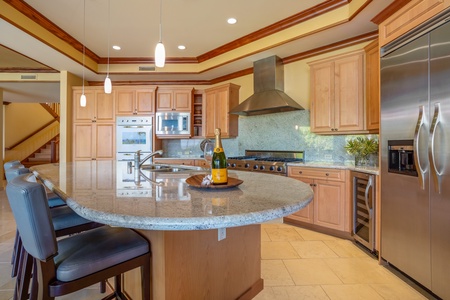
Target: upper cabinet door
[(372, 87), (86, 113), (99, 106), (349, 93), (145, 101), (125, 102), (174, 99), (337, 94), (135, 101), (218, 102), (322, 95), (104, 109)]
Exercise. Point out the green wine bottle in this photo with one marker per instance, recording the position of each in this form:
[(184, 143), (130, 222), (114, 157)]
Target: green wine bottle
[(219, 172)]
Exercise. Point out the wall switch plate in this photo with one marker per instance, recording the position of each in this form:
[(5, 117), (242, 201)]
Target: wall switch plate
[(221, 234)]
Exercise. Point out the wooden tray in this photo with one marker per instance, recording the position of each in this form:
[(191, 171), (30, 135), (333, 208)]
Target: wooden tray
[(196, 181)]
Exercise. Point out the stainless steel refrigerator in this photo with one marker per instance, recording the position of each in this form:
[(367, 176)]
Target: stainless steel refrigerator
[(415, 154)]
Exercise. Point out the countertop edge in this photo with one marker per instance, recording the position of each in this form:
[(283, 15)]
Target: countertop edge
[(368, 170)]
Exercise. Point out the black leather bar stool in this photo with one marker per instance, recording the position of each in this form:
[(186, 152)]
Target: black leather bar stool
[(75, 262)]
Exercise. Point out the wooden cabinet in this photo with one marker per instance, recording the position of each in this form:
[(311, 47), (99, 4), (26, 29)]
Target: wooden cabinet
[(201, 163), (99, 106), (94, 125), (337, 94), (372, 87), (330, 207), (174, 99), (198, 114), (218, 102), (94, 141), (135, 101), (408, 17)]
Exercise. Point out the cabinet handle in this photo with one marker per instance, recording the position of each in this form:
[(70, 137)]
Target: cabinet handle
[(300, 172)]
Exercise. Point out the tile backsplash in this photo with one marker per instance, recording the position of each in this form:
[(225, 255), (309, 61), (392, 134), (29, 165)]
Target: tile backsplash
[(279, 131)]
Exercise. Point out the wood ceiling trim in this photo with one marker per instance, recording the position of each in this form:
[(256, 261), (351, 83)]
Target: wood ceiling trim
[(296, 19), (389, 11), (332, 47), (300, 56), (41, 20)]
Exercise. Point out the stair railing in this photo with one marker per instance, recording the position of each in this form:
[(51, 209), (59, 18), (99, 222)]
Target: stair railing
[(54, 151)]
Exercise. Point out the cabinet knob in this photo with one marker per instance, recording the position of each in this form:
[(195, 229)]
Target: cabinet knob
[(300, 172), (327, 174)]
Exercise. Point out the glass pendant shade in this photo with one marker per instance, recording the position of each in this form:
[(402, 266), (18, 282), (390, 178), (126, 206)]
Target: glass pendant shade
[(83, 100), (108, 85), (160, 55)]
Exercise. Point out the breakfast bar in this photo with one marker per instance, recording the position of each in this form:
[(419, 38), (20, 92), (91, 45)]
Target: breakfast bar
[(206, 240)]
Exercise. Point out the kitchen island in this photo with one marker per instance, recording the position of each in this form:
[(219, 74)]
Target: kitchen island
[(206, 243)]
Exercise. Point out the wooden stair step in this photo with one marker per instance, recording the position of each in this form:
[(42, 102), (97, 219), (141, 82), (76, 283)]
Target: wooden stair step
[(34, 159)]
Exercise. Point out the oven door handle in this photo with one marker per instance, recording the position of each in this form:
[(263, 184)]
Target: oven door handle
[(366, 196), (134, 126)]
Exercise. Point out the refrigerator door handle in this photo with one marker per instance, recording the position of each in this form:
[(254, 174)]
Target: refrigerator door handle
[(420, 123), (437, 175), (366, 196)]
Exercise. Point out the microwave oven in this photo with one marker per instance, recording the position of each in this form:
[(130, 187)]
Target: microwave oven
[(173, 123)]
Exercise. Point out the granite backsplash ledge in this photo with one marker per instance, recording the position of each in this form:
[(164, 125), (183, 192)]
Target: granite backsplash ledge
[(279, 131)]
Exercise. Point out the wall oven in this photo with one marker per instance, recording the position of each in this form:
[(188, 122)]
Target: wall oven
[(364, 209), (173, 123), (133, 134)]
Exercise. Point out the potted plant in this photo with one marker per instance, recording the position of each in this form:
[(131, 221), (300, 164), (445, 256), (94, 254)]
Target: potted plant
[(362, 147)]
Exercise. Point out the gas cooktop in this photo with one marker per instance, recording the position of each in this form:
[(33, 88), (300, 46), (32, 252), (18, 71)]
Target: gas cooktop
[(265, 161)]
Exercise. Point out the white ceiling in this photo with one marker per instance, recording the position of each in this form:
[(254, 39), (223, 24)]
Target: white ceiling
[(200, 25)]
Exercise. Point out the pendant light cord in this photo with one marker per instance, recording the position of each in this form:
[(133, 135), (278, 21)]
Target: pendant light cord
[(84, 36), (160, 21), (109, 33)]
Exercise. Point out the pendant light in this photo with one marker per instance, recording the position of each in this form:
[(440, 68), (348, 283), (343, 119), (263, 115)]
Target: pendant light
[(108, 84), (160, 51), (83, 96)]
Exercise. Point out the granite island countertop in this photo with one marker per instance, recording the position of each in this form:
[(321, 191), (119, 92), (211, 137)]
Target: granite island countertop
[(108, 192)]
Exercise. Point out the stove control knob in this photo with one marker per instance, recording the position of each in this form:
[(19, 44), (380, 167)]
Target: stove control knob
[(279, 169), (247, 165), (262, 168), (272, 168), (233, 165), (255, 167)]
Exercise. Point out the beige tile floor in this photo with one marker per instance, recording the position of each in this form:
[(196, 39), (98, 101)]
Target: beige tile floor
[(296, 264)]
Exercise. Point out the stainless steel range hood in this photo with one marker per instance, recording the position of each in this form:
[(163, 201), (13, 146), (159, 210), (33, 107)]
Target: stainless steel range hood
[(269, 96)]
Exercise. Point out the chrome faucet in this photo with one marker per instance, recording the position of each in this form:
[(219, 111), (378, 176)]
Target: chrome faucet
[(137, 158)]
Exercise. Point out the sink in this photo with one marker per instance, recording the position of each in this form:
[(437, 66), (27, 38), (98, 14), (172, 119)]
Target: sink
[(170, 168)]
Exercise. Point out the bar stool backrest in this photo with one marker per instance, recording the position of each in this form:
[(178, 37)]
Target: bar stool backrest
[(28, 201), (15, 171)]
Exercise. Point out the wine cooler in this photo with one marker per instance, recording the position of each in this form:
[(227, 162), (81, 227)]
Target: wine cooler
[(364, 209)]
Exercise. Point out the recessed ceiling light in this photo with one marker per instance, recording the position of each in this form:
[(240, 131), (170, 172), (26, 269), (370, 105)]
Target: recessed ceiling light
[(181, 47), (231, 21), (115, 47)]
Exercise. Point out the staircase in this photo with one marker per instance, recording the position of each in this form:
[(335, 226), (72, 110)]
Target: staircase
[(44, 154)]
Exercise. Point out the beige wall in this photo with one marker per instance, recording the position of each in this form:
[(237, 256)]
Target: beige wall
[(22, 119)]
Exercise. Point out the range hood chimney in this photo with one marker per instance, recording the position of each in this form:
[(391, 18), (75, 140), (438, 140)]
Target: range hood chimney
[(269, 96)]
